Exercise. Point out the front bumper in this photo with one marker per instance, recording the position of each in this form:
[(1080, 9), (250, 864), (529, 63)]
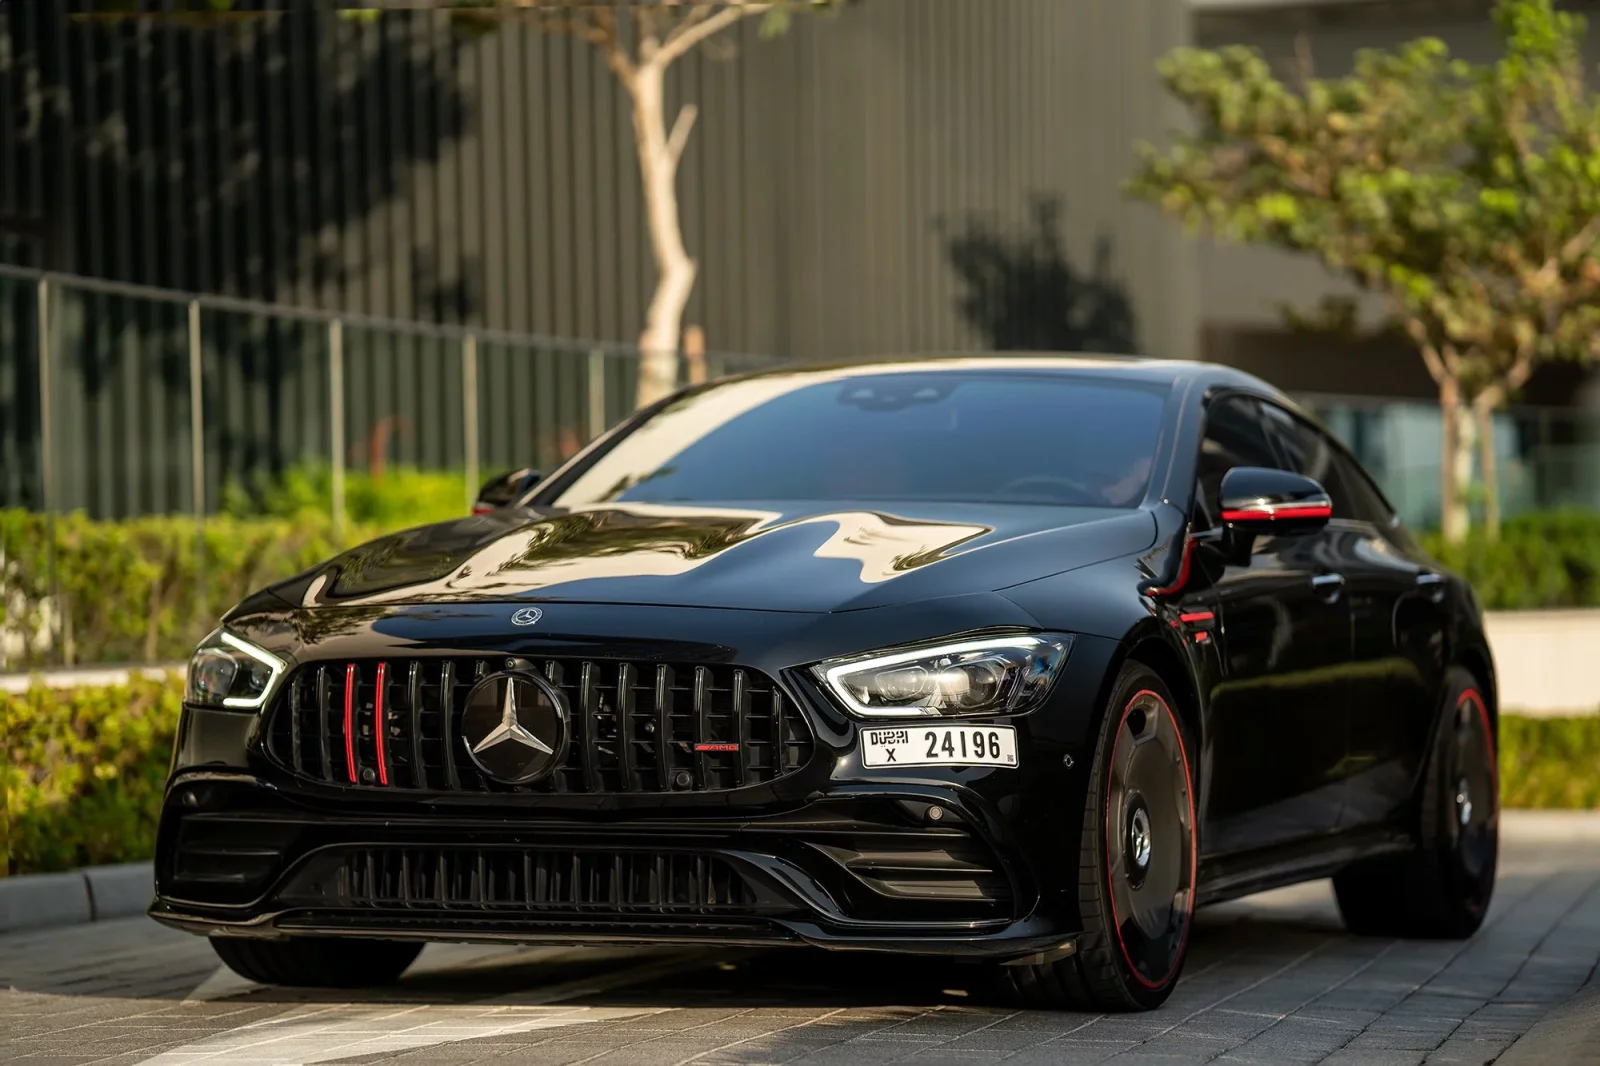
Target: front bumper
[(863, 870)]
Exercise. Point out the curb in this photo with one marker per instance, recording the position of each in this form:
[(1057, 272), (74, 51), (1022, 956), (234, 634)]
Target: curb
[(95, 894), (1569, 1033)]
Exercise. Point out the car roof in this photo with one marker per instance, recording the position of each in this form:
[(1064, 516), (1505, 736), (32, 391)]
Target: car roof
[(1174, 372)]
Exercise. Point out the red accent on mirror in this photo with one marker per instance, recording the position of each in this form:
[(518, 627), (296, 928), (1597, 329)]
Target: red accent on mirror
[(1268, 512), (379, 731)]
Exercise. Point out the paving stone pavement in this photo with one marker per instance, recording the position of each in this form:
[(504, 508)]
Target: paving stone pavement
[(1271, 979)]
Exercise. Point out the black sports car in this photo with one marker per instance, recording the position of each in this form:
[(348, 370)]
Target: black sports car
[(1016, 660)]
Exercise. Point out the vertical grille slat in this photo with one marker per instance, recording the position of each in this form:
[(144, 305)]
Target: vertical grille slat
[(664, 680), (741, 723), (419, 769), (702, 719), (625, 704), (656, 728), (447, 717), (324, 728), (588, 725)]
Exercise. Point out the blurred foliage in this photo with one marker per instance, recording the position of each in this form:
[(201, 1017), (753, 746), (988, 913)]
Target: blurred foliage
[(1550, 762), (131, 591), (404, 496), (1547, 559), (85, 768), (1467, 195), (84, 771)]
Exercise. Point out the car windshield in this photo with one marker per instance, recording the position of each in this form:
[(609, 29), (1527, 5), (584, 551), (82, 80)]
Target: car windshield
[(990, 436)]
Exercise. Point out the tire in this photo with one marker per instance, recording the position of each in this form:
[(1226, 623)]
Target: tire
[(1137, 846), (1442, 889), (317, 962)]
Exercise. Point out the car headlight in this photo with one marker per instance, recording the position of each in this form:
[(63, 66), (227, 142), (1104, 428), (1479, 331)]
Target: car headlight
[(995, 675), (233, 674)]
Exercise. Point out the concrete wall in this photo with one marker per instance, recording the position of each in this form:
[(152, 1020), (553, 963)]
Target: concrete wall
[(1546, 660)]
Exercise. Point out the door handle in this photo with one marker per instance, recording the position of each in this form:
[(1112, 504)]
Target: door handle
[(1432, 584), (1329, 586)]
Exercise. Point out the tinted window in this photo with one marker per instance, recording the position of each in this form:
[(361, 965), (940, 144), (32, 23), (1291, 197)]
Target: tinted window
[(1234, 437), (1309, 452), (1366, 502), (982, 436)]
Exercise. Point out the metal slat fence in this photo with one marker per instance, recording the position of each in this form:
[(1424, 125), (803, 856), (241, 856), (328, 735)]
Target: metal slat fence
[(135, 401)]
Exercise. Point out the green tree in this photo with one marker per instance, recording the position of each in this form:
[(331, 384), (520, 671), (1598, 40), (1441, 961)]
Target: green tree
[(640, 41), (1467, 196)]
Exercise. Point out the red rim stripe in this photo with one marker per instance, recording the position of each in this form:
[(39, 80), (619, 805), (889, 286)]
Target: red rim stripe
[(377, 725), (349, 721), (1106, 838), (1247, 514), (1488, 737)]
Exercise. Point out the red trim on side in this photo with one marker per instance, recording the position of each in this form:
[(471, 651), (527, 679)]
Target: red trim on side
[(1197, 616), (379, 732), (481, 509), (1183, 571), (1247, 514), (1194, 851), (349, 721), (716, 747)]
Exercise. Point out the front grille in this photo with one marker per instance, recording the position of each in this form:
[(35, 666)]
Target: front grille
[(635, 728), (525, 881)]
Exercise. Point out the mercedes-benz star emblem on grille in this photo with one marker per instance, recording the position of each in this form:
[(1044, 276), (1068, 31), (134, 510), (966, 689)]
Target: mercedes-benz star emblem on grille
[(526, 616), (514, 726)]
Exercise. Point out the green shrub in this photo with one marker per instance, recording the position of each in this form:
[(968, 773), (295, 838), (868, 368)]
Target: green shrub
[(1550, 762), (84, 772), (131, 591), (403, 497), (85, 768), (1542, 559)]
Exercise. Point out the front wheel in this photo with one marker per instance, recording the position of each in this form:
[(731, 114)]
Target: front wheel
[(1137, 855), (1443, 888), (317, 962)]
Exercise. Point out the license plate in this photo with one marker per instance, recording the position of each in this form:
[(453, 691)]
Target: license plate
[(940, 745)]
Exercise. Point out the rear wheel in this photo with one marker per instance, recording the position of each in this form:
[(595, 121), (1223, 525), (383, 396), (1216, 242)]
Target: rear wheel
[(1136, 861), (1443, 888), (317, 962)]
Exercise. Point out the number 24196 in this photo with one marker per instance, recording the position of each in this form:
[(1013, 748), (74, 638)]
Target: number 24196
[(955, 743)]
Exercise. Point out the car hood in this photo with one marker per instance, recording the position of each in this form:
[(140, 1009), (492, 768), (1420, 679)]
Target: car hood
[(779, 557)]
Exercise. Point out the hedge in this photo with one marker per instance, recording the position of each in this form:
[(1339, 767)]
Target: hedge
[(85, 767), (1541, 560)]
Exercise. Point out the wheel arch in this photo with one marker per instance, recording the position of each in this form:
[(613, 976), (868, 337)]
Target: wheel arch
[(1155, 646)]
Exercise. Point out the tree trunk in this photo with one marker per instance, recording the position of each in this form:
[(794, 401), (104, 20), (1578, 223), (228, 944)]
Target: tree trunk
[(1483, 414), (675, 271), (1456, 472)]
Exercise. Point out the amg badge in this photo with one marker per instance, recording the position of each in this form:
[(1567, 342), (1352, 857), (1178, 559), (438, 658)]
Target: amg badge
[(515, 727)]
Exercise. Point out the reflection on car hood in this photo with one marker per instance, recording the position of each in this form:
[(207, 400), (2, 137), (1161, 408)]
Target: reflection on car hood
[(814, 558)]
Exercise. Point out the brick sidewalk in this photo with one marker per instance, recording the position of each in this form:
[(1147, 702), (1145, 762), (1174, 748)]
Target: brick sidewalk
[(1272, 979)]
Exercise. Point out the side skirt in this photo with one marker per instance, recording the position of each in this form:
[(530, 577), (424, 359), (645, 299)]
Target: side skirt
[(1225, 877)]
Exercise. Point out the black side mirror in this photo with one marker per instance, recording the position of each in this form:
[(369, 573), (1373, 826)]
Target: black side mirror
[(1260, 501), (504, 489)]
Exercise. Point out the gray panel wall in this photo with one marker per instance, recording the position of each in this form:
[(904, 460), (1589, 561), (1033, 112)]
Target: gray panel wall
[(404, 168)]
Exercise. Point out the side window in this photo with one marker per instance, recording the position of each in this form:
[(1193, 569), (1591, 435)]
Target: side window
[(1309, 452), (1365, 500), (1234, 436)]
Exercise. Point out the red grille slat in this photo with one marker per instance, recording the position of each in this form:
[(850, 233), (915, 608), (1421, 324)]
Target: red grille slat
[(349, 721), (380, 731)]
